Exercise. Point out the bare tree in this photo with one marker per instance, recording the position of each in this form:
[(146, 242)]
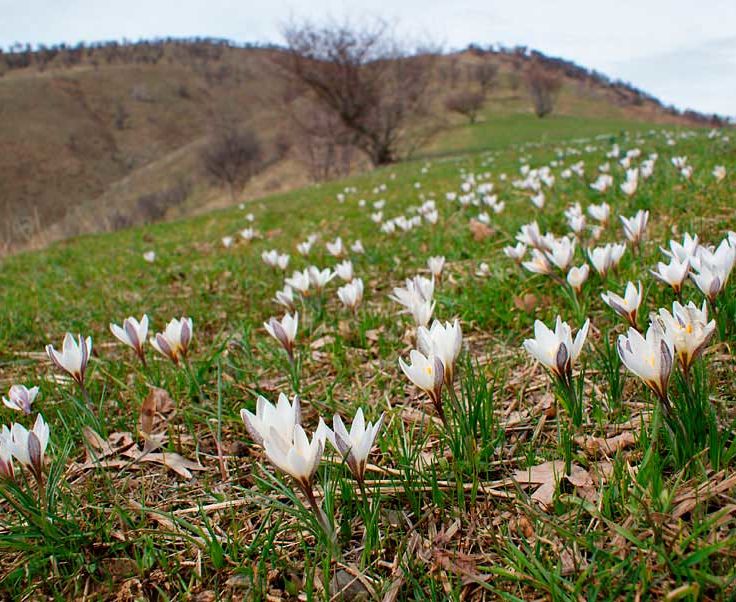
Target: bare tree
[(321, 142), (485, 74), (466, 103), (363, 77), (232, 157), (543, 88)]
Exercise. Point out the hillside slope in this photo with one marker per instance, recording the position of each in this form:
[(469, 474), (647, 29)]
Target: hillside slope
[(102, 142)]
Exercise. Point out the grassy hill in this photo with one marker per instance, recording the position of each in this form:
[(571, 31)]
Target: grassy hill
[(85, 143), (457, 512)]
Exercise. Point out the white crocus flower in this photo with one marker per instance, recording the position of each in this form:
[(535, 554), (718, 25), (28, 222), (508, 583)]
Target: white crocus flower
[(29, 447), (357, 247), (421, 310), (73, 357), (284, 331), (538, 200), (626, 306), (248, 234), (320, 278), (283, 417), (336, 248), (417, 289), (688, 329), (427, 373), (635, 227), (538, 263), (296, 456), (719, 172), (556, 349), (174, 341), (282, 261), (516, 253), (577, 276), (356, 444), (344, 270), (709, 280), (484, 270), (649, 358), (436, 265), (562, 252), (20, 398), (601, 213), (270, 258), (304, 247), (133, 334), (617, 252), (432, 217), (351, 294), (576, 223), (149, 256), (601, 259), (227, 241), (285, 297), (675, 273), (687, 249), (632, 182), (7, 470), (299, 281), (444, 341), (530, 235)]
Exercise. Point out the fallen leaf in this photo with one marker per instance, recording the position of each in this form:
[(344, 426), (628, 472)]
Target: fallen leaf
[(526, 303), (179, 464), (322, 341), (373, 335), (479, 230), (607, 445), (541, 473)]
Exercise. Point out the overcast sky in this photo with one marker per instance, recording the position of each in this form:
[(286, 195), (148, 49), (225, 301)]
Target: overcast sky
[(682, 51)]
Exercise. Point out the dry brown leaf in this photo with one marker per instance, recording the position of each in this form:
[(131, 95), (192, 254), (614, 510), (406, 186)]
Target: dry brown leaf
[(179, 464), (545, 494), (409, 414), (580, 477), (548, 474), (97, 447), (607, 445), (525, 303), (374, 334), (322, 341), (479, 230), (458, 563), (691, 497), (541, 473)]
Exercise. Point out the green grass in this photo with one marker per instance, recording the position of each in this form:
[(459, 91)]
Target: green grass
[(442, 518)]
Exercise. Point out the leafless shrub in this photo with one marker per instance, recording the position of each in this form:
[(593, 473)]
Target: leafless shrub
[(323, 144), (140, 93), (485, 74), (122, 115), (466, 103), (232, 157), (153, 206), (544, 87), (119, 221), (182, 91), (363, 77)]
